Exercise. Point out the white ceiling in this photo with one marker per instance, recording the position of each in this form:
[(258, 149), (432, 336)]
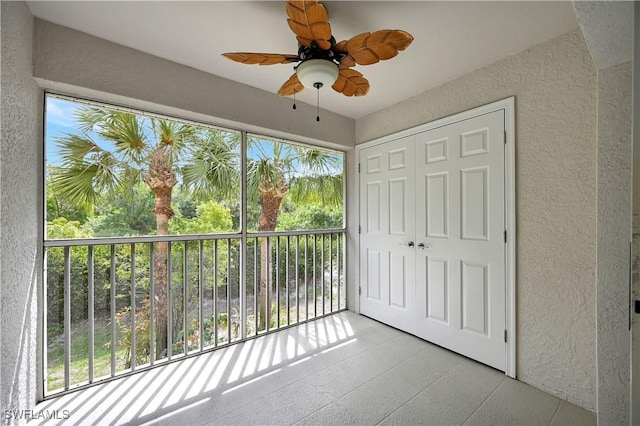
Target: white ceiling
[(450, 38)]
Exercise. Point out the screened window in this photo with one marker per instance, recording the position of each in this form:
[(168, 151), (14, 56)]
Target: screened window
[(149, 253)]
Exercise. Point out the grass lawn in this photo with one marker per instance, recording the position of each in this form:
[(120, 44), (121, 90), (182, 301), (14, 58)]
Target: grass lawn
[(79, 372)]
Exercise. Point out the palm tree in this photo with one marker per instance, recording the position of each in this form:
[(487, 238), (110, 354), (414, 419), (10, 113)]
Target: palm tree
[(274, 169), (146, 150)]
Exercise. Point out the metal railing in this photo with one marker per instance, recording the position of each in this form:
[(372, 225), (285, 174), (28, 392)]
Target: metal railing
[(119, 305)]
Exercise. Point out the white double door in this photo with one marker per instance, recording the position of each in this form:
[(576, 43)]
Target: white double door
[(432, 241)]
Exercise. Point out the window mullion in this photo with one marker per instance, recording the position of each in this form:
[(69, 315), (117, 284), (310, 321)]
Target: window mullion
[(243, 238)]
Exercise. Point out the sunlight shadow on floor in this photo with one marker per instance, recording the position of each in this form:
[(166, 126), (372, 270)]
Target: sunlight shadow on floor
[(217, 381)]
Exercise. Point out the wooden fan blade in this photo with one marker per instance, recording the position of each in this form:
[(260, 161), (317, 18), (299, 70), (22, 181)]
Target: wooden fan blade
[(291, 86), (261, 58), (347, 61), (351, 83), (369, 48), (309, 21)]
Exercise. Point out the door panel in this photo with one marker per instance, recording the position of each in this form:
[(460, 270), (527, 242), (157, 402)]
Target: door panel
[(437, 301), (373, 275), (387, 188), (475, 205), (473, 244), (475, 298), (398, 280), (437, 205)]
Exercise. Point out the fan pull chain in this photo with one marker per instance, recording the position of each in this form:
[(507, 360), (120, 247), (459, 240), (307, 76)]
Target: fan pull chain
[(294, 98), (318, 86)]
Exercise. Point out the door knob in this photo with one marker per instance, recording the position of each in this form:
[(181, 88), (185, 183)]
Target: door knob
[(421, 246), (410, 244)]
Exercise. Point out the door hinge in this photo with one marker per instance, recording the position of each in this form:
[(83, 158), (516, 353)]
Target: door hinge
[(359, 229), (505, 236), (358, 167), (359, 290), (505, 336), (505, 137)]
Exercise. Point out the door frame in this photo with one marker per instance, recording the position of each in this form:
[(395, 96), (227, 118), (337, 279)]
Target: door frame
[(508, 107)]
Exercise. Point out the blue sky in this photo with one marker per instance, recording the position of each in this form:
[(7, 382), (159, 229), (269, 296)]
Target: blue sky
[(58, 121)]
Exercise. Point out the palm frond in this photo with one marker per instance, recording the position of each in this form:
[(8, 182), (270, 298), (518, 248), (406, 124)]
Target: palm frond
[(89, 117), (127, 133), (213, 168), (327, 189), (74, 148), (174, 135), (123, 129), (81, 183), (318, 161)]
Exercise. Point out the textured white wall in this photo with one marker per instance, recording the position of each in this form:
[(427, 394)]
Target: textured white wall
[(70, 57), (19, 213), (614, 233), (608, 29), (555, 88)]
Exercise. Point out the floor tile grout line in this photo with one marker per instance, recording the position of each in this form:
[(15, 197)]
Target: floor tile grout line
[(423, 390), (504, 379), (373, 378), (301, 379), (385, 370), (335, 399), (555, 412)]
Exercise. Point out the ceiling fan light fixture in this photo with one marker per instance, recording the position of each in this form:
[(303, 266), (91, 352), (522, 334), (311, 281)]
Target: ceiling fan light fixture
[(316, 73)]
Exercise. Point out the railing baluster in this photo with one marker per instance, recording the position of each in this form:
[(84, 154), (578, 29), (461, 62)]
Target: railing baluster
[(315, 266), (185, 296), (286, 282), (133, 307), (242, 287), (215, 293), (255, 284), (201, 292), (339, 255), (306, 276), (169, 302), (67, 316), (267, 262), (322, 270), (90, 308), (228, 290), (330, 272), (277, 282), (45, 322), (112, 302), (152, 305), (297, 278)]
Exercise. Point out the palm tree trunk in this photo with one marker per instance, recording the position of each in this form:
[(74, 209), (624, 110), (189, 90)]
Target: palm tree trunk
[(270, 198), (161, 180), (163, 213)]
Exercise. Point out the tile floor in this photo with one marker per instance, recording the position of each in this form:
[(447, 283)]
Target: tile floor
[(342, 369)]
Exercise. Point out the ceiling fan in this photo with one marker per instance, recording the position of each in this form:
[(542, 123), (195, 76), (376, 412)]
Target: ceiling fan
[(322, 61)]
